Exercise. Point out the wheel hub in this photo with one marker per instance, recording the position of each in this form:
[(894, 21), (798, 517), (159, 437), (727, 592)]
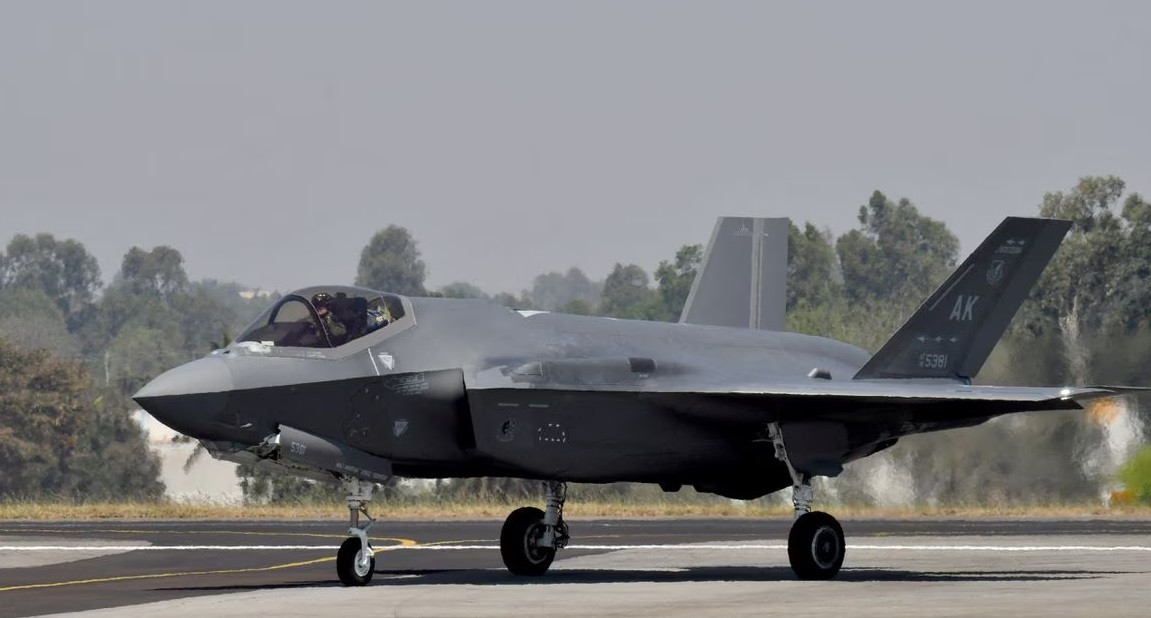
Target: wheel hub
[(532, 547), (825, 547), (363, 563)]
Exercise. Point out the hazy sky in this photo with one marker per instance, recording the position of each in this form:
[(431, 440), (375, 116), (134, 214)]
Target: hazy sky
[(268, 140)]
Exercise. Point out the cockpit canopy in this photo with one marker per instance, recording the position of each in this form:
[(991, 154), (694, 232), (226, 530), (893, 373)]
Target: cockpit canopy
[(324, 317)]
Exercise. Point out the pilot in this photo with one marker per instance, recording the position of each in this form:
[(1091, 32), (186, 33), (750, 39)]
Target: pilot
[(378, 317), (336, 329)]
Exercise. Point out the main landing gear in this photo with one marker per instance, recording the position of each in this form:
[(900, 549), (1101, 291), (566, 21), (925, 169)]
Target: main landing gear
[(815, 545), (530, 537), (355, 562)]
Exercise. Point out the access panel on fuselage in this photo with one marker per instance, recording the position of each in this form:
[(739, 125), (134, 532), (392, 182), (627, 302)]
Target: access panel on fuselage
[(589, 436), (411, 417)]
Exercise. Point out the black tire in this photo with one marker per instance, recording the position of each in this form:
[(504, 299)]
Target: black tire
[(349, 569), (815, 546), (518, 543)]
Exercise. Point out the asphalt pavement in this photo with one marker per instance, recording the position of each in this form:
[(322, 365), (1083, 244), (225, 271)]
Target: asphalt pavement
[(49, 567)]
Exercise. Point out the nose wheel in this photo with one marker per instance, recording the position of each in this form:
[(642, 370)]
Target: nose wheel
[(354, 565), (355, 561)]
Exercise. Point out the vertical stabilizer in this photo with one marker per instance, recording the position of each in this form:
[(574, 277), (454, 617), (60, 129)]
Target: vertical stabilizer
[(953, 332), (742, 281)]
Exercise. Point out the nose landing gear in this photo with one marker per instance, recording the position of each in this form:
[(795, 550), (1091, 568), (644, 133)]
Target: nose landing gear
[(355, 561)]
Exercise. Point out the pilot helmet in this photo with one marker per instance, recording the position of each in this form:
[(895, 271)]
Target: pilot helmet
[(321, 299)]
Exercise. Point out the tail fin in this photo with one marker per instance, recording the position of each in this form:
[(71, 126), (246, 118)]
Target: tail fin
[(953, 332), (742, 281)]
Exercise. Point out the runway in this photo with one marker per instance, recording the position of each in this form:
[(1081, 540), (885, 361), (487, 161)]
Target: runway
[(656, 567)]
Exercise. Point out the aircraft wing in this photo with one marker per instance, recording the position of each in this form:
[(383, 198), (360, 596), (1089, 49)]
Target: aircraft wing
[(902, 407), (902, 391)]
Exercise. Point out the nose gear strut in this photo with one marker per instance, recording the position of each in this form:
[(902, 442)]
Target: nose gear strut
[(355, 561)]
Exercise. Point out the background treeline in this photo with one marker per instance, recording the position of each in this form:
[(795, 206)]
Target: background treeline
[(75, 348)]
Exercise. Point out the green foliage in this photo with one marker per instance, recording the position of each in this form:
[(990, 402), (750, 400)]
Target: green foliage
[(262, 486), (511, 301), (552, 290), (812, 271), (391, 262), (489, 488), (627, 294), (1136, 475), (55, 442), (675, 279), (158, 272), (461, 289), (1098, 281), (897, 253), (61, 269), (235, 300), (577, 306), (112, 461), (29, 319)]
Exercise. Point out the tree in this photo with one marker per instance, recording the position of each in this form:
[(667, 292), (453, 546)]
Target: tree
[(139, 353), (552, 290), (55, 443), (62, 269), (511, 301), (243, 303), (577, 307), (627, 293), (461, 289), (112, 459), (391, 262), (159, 271), (1094, 297), (675, 279), (152, 318), (29, 320), (812, 277), (897, 255)]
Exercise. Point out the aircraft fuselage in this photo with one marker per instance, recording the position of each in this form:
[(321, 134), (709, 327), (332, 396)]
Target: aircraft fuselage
[(469, 388)]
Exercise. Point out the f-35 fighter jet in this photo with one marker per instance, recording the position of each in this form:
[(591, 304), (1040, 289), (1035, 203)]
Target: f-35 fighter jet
[(360, 385)]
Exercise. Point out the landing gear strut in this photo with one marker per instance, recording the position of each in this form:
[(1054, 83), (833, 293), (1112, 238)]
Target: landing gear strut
[(530, 537), (355, 561), (815, 545)]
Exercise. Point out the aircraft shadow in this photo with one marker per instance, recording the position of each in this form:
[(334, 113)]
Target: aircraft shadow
[(500, 577)]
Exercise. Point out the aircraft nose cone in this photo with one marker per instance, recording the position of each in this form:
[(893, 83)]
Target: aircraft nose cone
[(190, 398)]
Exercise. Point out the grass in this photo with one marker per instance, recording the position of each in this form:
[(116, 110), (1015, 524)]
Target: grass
[(427, 510)]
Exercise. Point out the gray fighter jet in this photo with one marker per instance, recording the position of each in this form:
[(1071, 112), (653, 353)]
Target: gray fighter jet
[(360, 385)]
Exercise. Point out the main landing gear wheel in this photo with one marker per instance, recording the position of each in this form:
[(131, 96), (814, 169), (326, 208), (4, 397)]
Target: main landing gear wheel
[(354, 565), (530, 537), (815, 546), (520, 542)]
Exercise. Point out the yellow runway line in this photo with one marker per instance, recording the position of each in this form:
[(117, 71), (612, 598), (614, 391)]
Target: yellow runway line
[(123, 531), (120, 578)]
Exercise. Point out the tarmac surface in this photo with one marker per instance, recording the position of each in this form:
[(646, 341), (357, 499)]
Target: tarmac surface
[(654, 567)]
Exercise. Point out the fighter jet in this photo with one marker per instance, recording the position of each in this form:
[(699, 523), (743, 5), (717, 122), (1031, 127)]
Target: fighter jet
[(359, 385)]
